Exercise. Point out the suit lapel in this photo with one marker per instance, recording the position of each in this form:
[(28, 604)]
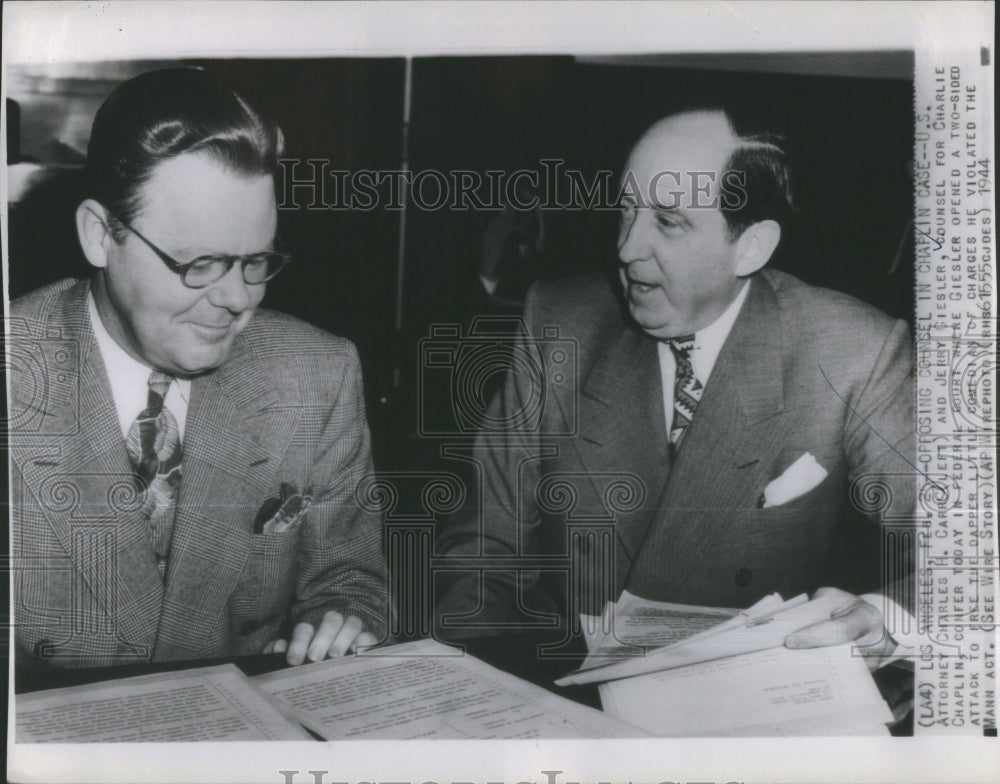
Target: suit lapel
[(85, 485), (622, 428), (739, 427), (235, 438)]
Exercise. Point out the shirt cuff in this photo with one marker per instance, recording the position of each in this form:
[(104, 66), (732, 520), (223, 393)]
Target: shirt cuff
[(900, 625)]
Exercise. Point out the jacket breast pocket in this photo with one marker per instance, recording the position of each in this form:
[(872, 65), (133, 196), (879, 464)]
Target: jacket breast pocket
[(784, 548), (756, 551), (266, 586)]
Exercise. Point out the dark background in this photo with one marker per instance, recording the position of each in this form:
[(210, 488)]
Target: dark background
[(848, 119)]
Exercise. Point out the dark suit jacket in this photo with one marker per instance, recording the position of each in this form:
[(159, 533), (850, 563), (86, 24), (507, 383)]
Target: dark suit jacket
[(286, 406), (589, 480)]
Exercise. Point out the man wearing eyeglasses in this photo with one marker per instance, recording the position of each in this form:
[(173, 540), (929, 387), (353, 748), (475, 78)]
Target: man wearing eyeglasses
[(185, 463)]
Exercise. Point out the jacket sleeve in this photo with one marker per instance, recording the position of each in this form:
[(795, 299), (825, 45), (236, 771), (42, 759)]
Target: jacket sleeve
[(883, 471), (340, 558), (499, 519)]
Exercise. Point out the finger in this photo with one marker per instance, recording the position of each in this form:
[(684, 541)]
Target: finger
[(301, 635), (861, 621), (276, 646), (847, 600), (364, 640), (833, 632), (332, 623), (346, 636)]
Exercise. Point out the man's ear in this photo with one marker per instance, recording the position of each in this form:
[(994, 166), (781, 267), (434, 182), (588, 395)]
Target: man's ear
[(92, 229), (756, 245)]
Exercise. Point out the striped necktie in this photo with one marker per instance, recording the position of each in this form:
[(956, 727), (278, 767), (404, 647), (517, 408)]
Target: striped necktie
[(154, 446), (687, 390)]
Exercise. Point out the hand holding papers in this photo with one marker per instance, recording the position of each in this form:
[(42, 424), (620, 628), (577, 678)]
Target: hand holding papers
[(763, 626), (733, 678)]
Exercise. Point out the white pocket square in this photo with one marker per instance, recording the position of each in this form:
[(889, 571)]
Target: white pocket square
[(799, 478)]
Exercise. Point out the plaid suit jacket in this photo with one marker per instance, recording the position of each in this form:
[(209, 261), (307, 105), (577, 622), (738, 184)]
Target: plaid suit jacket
[(592, 487), (285, 407)]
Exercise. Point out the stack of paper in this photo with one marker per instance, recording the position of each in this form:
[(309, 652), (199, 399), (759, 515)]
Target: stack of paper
[(417, 690), (424, 690), (776, 692), (632, 627), (765, 625), (679, 670), (209, 703)]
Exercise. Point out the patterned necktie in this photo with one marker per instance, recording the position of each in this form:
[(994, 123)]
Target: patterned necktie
[(154, 445), (687, 390)]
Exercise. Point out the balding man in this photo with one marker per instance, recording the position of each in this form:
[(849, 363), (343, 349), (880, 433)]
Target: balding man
[(739, 404)]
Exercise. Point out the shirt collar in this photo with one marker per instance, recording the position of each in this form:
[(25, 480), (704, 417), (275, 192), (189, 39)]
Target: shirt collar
[(127, 376), (708, 341)]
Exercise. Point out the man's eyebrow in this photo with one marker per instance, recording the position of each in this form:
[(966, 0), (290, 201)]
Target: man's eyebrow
[(673, 210), (189, 251), (197, 252)]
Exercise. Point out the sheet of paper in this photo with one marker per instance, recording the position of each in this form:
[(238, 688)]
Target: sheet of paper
[(744, 633), (209, 704), (773, 692), (632, 625), (424, 690)]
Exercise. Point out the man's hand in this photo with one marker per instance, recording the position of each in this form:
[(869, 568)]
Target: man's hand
[(853, 620), (335, 637)]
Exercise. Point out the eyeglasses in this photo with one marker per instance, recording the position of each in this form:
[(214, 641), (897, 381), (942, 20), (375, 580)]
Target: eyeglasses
[(206, 270)]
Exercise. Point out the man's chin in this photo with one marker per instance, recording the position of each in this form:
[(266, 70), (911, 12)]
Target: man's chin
[(197, 362), (653, 324)]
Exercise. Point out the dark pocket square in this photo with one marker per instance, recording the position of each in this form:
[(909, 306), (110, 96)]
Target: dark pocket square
[(281, 512)]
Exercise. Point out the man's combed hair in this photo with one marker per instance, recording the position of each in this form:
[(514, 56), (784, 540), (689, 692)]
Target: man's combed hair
[(760, 163), (163, 114)]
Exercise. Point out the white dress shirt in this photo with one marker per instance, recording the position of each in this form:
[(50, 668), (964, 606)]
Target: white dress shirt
[(129, 379), (708, 343)]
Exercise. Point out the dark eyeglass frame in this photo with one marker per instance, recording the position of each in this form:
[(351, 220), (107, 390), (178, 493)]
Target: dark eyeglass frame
[(280, 257)]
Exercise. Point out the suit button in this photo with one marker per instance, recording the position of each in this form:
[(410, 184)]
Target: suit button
[(743, 577), (42, 649), (248, 627)]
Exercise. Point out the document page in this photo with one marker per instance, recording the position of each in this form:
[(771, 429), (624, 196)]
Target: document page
[(631, 626), (633, 623), (755, 629), (772, 692), (423, 690), (210, 703)]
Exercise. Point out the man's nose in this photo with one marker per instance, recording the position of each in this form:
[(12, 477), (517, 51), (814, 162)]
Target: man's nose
[(231, 291), (632, 239)]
